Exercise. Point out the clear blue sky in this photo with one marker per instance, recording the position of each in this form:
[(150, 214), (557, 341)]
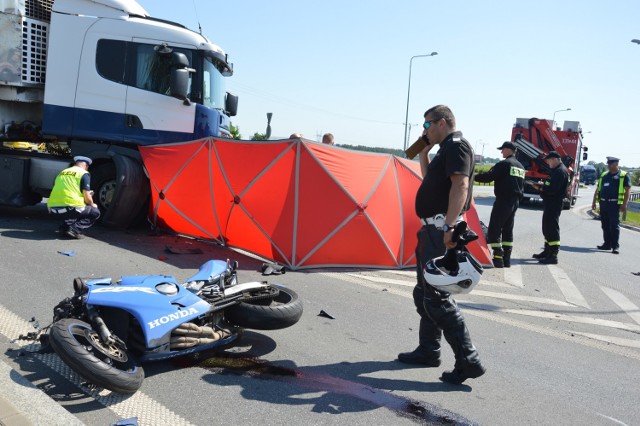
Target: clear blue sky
[(343, 66)]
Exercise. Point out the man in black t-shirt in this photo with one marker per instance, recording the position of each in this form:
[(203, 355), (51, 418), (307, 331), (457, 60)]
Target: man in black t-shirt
[(445, 193)]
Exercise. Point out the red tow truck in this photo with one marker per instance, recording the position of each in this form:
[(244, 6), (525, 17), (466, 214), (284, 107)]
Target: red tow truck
[(536, 137)]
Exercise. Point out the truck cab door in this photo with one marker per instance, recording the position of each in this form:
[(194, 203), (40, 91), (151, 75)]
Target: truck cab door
[(152, 115), (101, 92)]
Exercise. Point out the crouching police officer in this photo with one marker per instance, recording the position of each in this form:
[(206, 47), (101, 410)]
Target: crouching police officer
[(71, 199), (508, 175), (553, 192), (613, 195)]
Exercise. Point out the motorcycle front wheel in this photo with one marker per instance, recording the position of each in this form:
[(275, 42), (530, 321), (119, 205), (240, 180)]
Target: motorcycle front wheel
[(282, 311), (106, 366)]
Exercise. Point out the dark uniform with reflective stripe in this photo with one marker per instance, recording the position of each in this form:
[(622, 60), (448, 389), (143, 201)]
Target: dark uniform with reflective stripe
[(438, 311), (508, 175), (553, 193), (611, 196)]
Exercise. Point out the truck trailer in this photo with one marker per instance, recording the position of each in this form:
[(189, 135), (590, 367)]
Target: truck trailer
[(536, 137), (100, 78)]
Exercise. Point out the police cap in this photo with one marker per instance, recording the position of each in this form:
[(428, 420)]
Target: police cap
[(509, 145), (552, 154), (82, 158), (612, 160)]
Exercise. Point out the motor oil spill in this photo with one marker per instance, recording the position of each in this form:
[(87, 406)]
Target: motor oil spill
[(418, 411)]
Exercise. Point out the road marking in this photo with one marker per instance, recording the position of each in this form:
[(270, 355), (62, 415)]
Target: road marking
[(573, 318), (519, 297), (625, 304), (563, 335), (567, 287), (494, 284), (513, 275), (481, 293), (383, 280), (148, 411), (630, 343), (471, 308)]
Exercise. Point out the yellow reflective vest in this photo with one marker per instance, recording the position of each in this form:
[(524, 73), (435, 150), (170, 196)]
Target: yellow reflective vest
[(66, 190)]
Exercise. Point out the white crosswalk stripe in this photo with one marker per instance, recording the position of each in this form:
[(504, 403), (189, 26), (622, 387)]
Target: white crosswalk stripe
[(625, 304), (508, 285), (567, 287)]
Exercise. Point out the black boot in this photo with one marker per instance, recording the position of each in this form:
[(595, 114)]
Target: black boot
[(498, 257), (419, 356), (468, 365), (507, 256), (428, 351), (552, 256), (543, 253)]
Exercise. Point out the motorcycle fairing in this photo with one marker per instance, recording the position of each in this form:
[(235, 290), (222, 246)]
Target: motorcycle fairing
[(209, 270), (157, 313)]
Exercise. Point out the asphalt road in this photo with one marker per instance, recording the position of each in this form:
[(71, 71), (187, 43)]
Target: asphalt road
[(561, 343)]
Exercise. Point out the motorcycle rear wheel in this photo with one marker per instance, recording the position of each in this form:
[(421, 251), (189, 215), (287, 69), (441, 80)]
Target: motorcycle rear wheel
[(271, 314), (107, 366)]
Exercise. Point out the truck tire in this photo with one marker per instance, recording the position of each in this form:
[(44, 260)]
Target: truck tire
[(103, 182), (121, 190)]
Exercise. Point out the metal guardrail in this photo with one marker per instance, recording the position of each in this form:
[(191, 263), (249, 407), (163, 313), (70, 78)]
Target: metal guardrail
[(634, 196)]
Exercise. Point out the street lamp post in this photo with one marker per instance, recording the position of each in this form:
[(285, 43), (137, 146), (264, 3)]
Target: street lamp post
[(553, 121), (406, 117)]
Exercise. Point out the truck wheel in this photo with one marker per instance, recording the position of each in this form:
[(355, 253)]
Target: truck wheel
[(103, 181), (121, 191)]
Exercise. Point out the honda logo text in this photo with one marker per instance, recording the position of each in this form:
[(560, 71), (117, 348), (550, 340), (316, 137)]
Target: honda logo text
[(171, 317)]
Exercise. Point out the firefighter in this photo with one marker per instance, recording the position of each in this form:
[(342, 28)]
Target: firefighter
[(508, 175), (71, 199), (553, 192), (612, 193)]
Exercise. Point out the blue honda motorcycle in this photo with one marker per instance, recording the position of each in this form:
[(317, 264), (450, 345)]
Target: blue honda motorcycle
[(106, 330)]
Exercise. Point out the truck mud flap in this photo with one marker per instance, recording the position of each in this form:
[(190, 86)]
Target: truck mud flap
[(131, 195)]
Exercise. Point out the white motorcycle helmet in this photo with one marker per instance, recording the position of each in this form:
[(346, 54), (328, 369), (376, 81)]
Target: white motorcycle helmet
[(460, 281)]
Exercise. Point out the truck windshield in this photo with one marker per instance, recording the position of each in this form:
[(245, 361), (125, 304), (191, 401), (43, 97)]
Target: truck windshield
[(213, 85)]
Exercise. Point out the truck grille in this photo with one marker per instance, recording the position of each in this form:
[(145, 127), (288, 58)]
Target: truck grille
[(34, 50), (38, 9)]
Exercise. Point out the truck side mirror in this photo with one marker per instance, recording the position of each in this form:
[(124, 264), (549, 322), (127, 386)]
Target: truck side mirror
[(584, 156), (231, 104), (180, 75)]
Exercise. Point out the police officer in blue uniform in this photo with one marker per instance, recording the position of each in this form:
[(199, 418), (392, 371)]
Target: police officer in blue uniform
[(508, 176), (612, 193), (553, 192)]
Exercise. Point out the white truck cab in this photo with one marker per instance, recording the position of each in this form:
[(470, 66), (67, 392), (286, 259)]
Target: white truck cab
[(104, 77)]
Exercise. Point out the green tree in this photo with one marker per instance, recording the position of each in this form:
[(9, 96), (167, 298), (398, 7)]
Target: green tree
[(235, 131), (635, 178), (259, 137)]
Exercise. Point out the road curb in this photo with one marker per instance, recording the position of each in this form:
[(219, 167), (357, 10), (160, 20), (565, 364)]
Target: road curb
[(23, 404), (595, 216)]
